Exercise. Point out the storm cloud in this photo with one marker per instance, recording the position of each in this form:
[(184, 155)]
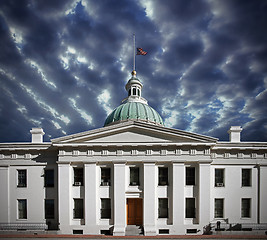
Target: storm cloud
[(64, 64)]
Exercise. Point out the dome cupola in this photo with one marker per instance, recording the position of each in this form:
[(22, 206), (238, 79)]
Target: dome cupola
[(134, 107)]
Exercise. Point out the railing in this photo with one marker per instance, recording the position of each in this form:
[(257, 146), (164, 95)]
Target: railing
[(208, 229), (23, 226), (239, 226)]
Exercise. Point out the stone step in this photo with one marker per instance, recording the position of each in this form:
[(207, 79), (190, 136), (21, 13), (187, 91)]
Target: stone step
[(133, 230)]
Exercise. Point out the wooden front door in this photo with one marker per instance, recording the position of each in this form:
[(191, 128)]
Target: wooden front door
[(134, 211)]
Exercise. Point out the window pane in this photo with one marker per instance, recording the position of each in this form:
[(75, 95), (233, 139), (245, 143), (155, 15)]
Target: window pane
[(22, 209), (78, 176), (78, 209), (49, 178), (105, 176), (134, 91), (163, 208), (245, 211), (105, 208), (163, 176), (49, 208), (134, 176), (218, 210), (219, 177), (22, 178), (190, 211), (190, 176), (246, 177)]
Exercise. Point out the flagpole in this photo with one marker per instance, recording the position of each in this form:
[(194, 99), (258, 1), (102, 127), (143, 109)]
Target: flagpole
[(134, 52)]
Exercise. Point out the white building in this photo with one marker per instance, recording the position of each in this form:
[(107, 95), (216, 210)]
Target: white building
[(133, 171)]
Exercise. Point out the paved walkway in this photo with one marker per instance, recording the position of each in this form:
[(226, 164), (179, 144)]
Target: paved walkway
[(57, 236)]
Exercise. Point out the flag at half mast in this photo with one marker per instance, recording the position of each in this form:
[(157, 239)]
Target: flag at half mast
[(140, 51)]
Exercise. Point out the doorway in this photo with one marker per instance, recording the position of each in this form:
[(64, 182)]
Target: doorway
[(135, 211)]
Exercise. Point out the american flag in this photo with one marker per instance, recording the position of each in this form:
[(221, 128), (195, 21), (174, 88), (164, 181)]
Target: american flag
[(140, 51)]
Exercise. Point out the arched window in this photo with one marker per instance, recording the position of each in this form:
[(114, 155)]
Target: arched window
[(138, 92), (129, 92), (134, 91)]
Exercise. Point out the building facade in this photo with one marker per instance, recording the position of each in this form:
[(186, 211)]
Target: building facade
[(133, 172)]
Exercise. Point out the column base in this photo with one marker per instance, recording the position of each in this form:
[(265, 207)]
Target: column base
[(150, 231), (119, 231)]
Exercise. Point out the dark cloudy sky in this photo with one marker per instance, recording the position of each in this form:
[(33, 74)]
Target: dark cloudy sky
[(64, 64)]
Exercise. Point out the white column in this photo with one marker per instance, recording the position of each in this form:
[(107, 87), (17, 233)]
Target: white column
[(150, 208), (178, 199), (64, 197), (203, 207), (263, 193), (91, 197), (4, 196), (119, 199)]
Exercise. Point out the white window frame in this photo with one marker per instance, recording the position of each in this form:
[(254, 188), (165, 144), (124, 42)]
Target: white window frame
[(18, 209), (223, 204), (26, 178)]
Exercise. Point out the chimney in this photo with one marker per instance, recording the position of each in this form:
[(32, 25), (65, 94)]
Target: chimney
[(37, 135), (234, 133)]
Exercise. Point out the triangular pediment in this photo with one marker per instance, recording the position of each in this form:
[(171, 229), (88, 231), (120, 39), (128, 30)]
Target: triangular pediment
[(133, 132)]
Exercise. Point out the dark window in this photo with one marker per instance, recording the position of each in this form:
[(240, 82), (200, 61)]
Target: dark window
[(129, 92), (22, 178), (190, 210), (246, 177), (134, 91), (218, 208), (163, 208), (191, 230), (49, 208), (190, 176), (78, 176), (245, 211), (134, 176), (49, 178), (164, 231), (105, 176), (22, 209), (78, 209), (105, 208), (77, 231), (219, 177), (163, 176)]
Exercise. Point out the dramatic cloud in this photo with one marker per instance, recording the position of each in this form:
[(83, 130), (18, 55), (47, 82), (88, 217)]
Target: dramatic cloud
[(64, 64)]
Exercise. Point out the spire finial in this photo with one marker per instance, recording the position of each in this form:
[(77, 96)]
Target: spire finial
[(134, 73)]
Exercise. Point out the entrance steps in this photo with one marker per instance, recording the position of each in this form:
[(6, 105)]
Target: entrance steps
[(133, 230)]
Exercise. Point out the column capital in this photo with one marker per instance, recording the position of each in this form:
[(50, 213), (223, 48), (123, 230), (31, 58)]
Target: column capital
[(119, 162), (86, 164), (178, 162), (149, 162)]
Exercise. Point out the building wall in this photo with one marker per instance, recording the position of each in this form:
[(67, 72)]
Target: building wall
[(232, 193), (64, 192)]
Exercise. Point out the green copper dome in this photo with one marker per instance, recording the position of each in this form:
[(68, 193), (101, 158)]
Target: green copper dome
[(134, 111), (134, 107)]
